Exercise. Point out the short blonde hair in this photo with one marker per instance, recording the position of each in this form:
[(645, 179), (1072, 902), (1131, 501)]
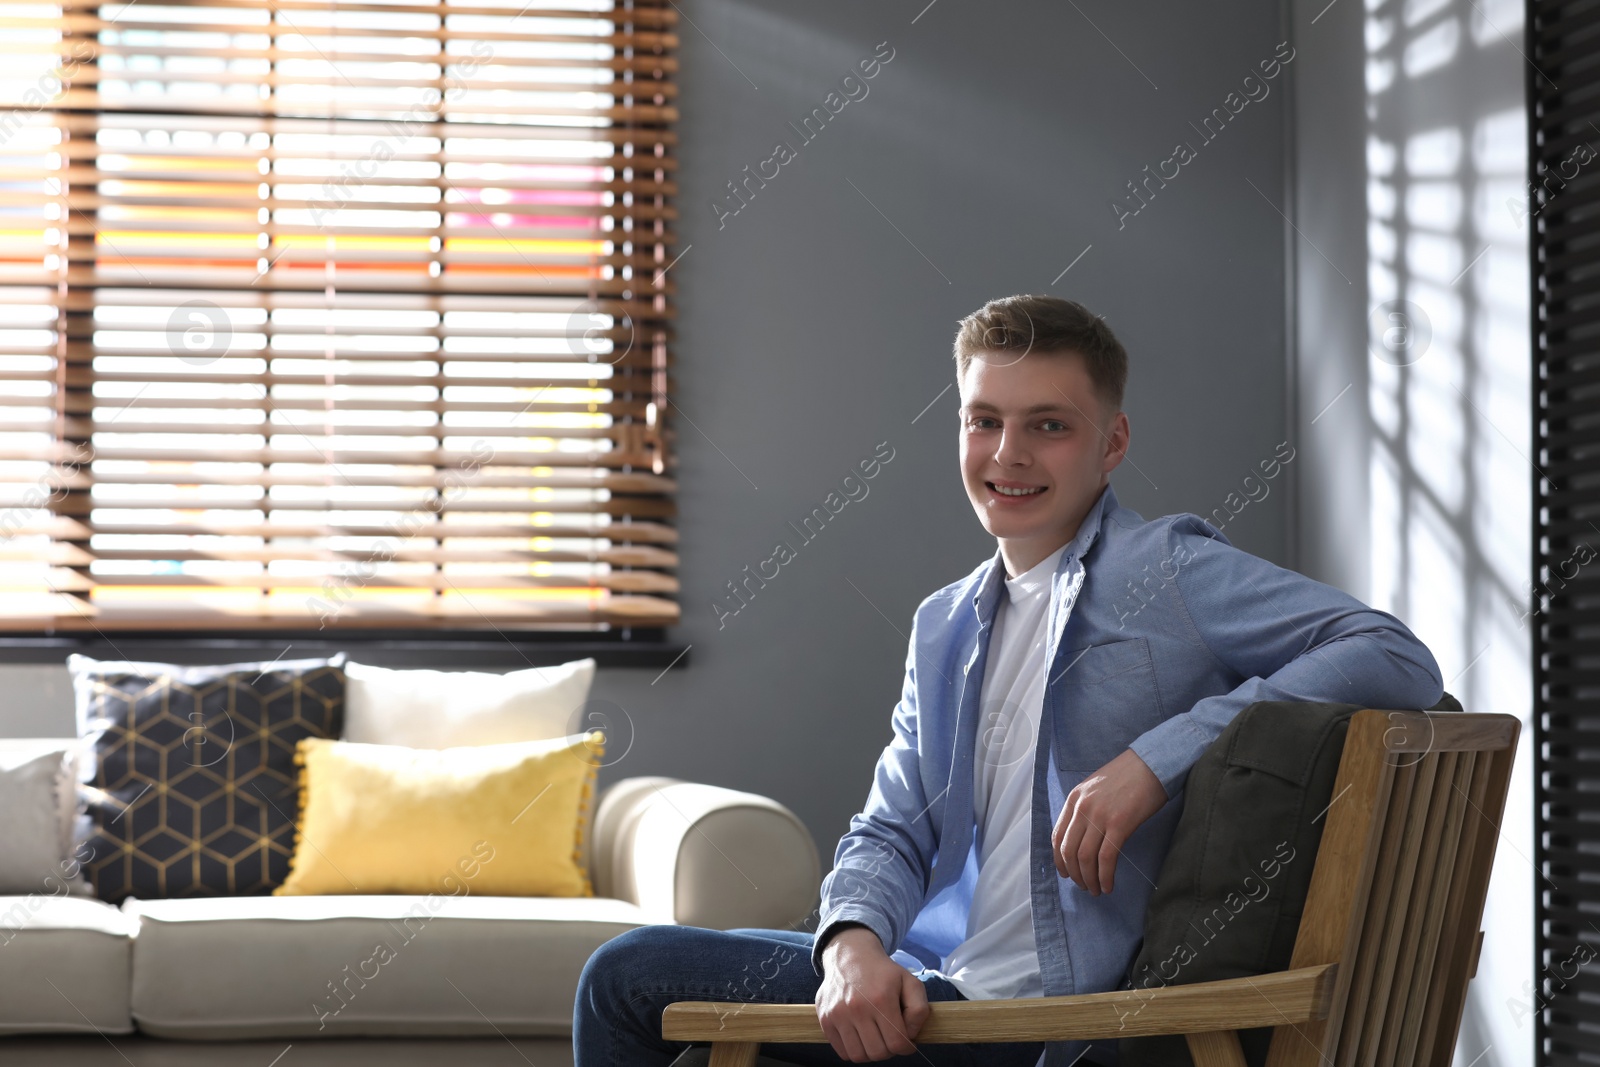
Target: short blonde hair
[(1049, 326)]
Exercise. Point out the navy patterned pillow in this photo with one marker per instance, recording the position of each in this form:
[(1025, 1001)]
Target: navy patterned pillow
[(191, 783)]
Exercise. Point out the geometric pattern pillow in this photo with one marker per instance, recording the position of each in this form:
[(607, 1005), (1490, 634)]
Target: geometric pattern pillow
[(191, 781)]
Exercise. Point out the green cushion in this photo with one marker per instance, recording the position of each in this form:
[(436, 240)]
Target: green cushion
[(1228, 901)]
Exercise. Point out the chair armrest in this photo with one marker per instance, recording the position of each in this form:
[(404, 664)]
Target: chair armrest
[(701, 855), (1276, 999)]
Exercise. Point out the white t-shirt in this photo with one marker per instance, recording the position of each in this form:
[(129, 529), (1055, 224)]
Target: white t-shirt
[(999, 960)]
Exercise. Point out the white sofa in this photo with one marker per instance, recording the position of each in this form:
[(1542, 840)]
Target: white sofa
[(470, 979)]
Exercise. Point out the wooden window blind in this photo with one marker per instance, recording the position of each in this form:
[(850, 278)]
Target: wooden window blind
[(1562, 208), (321, 315)]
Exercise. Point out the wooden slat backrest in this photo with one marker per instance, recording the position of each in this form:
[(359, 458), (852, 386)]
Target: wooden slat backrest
[(1458, 945), (1387, 912), (1485, 809), (1363, 968), (1398, 888), (1423, 976), (1412, 912)]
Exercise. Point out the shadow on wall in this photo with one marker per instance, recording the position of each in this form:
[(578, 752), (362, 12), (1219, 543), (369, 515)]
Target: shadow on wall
[(1447, 401)]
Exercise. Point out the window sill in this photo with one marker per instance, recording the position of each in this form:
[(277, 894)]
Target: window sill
[(456, 650)]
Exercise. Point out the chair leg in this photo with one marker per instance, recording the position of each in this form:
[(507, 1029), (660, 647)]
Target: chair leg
[(1217, 1048), (743, 1053)]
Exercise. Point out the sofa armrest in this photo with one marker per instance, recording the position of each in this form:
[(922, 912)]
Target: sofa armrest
[(701, 855)]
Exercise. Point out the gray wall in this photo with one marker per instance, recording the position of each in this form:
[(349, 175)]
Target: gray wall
[(1329, 254), (817, 323)]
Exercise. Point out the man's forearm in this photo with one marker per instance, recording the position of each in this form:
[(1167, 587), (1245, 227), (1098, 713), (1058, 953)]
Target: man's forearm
[(881, 867), (844, 940), (1374, 669), (882, 864), (838, 927), (852, 919)]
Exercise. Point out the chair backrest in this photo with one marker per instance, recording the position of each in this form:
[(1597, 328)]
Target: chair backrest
[(1398, 887)]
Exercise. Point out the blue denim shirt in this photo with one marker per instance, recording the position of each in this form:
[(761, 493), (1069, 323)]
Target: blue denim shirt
[(1160, 632)]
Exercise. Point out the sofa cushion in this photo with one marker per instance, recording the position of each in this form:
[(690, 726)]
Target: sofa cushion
[(482, 819), (425, 708), (93, 1050), (332, 966), (63, 965), (443, 709), (38, 801), (192, 776)]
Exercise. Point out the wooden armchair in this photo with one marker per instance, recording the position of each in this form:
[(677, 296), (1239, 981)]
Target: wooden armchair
[(1388, 940)]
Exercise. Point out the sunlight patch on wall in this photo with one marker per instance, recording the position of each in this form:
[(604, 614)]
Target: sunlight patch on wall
[(1448, 401)]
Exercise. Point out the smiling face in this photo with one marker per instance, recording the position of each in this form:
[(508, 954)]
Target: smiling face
[(1037, 447)]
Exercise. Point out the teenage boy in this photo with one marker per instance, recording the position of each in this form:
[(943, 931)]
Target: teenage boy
[(1054, 701)]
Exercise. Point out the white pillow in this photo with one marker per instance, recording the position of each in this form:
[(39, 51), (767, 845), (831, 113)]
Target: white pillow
[(443, 709), (38, 816)]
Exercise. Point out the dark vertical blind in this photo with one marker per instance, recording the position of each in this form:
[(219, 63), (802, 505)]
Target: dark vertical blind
[(1563, 205)]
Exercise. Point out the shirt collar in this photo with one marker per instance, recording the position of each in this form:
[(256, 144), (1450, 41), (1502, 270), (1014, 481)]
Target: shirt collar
[(1036, 579), (991, 580)]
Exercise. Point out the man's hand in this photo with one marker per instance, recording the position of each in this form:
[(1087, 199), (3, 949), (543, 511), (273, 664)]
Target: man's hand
[(1099, 816), (869, 1006)]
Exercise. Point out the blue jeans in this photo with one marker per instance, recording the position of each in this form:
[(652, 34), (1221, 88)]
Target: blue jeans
[(616, 1021)]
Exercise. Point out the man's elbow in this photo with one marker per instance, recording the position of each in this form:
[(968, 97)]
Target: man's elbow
[(1428, 681), (1417, 681)]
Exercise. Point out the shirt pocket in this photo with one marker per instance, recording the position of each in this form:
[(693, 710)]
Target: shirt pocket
[(1108, 697)]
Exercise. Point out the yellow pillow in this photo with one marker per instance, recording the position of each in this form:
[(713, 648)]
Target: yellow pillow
[(501, 820)]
